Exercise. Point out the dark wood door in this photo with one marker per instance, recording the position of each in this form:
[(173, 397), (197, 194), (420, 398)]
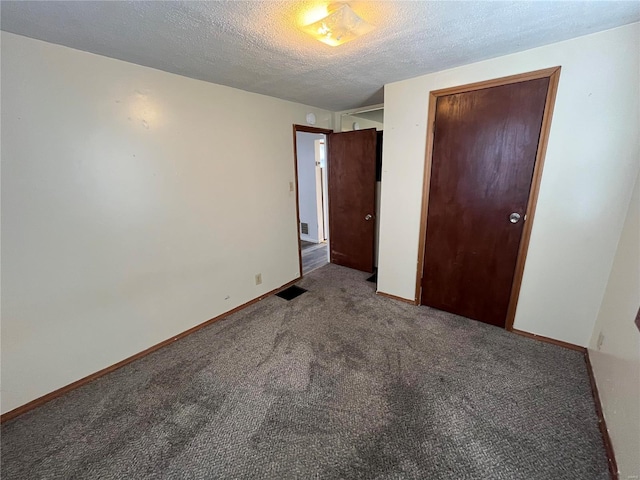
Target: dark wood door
[(352, 198), (484, 152)]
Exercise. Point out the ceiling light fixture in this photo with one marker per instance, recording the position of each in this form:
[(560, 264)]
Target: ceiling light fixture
[(339, 26)]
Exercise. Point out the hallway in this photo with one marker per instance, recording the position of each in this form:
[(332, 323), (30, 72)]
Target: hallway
[(314, 255)]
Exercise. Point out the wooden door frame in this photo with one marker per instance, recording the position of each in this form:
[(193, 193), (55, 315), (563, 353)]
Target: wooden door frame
[(553, 74), (307, 129)]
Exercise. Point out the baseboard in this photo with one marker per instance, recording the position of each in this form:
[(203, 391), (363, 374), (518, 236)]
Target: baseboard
[(16, 412), (394, 297), (552, 341), (608, 446), (308, 238)]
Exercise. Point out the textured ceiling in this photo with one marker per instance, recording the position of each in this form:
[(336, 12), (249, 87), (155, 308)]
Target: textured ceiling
[(256, 46)]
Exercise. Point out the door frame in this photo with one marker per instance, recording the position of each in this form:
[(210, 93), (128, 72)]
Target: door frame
[(553, 74), (320, 185), (307, 129)]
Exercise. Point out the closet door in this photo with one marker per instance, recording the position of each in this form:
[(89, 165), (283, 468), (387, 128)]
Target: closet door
[(484, 153)]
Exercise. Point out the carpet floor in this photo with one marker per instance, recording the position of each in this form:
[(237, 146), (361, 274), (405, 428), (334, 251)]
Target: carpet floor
[(336, 384)]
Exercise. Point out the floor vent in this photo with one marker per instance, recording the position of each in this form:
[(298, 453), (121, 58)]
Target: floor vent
[(304, 228), (291, 293)]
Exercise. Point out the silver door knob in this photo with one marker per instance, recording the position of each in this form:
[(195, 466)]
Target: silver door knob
[(368, 216), (514, 217)]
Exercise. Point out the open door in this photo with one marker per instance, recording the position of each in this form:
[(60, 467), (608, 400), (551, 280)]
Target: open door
[(352, 198)]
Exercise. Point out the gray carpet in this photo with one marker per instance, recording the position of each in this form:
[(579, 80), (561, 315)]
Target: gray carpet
[(336, 384)]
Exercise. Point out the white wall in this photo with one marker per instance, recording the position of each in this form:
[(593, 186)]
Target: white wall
[(616, 364), (591, 163), (308, 199), (347, 122), (135, 205)]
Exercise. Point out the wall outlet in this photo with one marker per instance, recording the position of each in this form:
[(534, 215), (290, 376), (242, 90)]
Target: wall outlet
[(258, 278), (600, 341), (291, 188)]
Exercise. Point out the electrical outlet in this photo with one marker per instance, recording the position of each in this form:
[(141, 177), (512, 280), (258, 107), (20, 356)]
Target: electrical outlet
[(258, 278), (291, 186), (600, 341)]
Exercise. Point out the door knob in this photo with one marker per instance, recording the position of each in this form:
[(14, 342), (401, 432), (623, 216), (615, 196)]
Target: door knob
[(514, 217), (368, 216)]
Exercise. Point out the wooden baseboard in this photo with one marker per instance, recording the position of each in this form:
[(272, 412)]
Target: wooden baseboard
[(16, 412), (552, 341), (608, 446), (393, 297)]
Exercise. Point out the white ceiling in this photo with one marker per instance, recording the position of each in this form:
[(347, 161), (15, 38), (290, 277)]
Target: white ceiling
[(256, 46)]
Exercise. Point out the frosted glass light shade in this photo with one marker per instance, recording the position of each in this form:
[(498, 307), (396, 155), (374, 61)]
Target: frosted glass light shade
[(340, 26)]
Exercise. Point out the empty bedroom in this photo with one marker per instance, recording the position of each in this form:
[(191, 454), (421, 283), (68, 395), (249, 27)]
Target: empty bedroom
[(332, 240)]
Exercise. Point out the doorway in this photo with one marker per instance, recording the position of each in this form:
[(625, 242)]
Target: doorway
[(312, 197), (485, 152), (342, 199)]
